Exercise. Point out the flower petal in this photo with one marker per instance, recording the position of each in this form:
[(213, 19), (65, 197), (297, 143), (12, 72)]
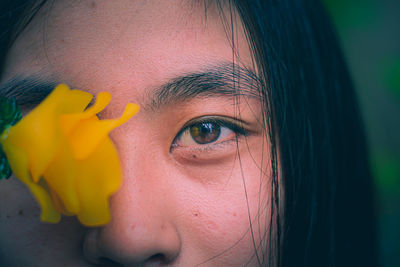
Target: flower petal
[(62, 152), (18, 160), (89, 133), (69, 120), (95, 185), (60, 176), (44, 136)]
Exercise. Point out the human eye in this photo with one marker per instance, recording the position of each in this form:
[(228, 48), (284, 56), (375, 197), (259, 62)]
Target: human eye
[(208, 137)]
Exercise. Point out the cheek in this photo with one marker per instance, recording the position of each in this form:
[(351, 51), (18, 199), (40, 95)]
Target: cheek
[(24, 237), (227, 218), (223, 229)]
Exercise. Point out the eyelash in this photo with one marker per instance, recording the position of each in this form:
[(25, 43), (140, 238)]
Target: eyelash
[(230, 124)]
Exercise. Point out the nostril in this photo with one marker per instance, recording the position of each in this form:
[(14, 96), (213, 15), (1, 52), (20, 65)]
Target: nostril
[(157, 257), (109, 263)]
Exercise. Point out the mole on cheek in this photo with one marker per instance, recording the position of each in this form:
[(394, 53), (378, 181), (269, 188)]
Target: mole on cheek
[(196, 213)]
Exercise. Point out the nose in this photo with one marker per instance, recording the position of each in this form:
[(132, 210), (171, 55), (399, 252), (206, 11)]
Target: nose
[(140, 232)]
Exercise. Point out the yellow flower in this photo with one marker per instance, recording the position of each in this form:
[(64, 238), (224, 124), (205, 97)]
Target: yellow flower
[(62, 152)]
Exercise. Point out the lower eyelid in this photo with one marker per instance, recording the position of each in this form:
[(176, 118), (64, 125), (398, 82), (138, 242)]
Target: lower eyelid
[(217, 147), (206, 154)]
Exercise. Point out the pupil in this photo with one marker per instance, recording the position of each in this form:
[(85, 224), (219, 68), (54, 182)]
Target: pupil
[(204, 133)]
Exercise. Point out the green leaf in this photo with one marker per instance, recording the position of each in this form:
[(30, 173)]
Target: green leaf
[(10, 114), (5, 170)]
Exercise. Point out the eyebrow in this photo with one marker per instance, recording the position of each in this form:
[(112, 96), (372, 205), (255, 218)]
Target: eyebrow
[(227, 80), (27, 91)]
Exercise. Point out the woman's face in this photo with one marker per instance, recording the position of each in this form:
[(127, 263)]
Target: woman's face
[(195, 159)]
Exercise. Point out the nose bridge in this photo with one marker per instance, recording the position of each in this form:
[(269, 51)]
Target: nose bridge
[(141, 229)]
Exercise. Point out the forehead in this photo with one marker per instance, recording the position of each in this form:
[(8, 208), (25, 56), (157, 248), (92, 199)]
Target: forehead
[(98, 44)]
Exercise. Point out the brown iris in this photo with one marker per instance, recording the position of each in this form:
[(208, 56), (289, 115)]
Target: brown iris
[(205, 132)]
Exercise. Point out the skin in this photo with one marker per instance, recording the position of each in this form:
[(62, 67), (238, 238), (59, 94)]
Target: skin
[(181, 207)]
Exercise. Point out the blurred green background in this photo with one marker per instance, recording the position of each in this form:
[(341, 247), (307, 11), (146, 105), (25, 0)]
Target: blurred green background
[(369, 31)]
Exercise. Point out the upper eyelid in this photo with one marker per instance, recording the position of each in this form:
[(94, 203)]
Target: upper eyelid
[(216, 119)]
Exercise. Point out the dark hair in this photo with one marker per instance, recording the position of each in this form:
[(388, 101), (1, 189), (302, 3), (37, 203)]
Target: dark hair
[(329, 217), (15, 15), (317, 140)]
